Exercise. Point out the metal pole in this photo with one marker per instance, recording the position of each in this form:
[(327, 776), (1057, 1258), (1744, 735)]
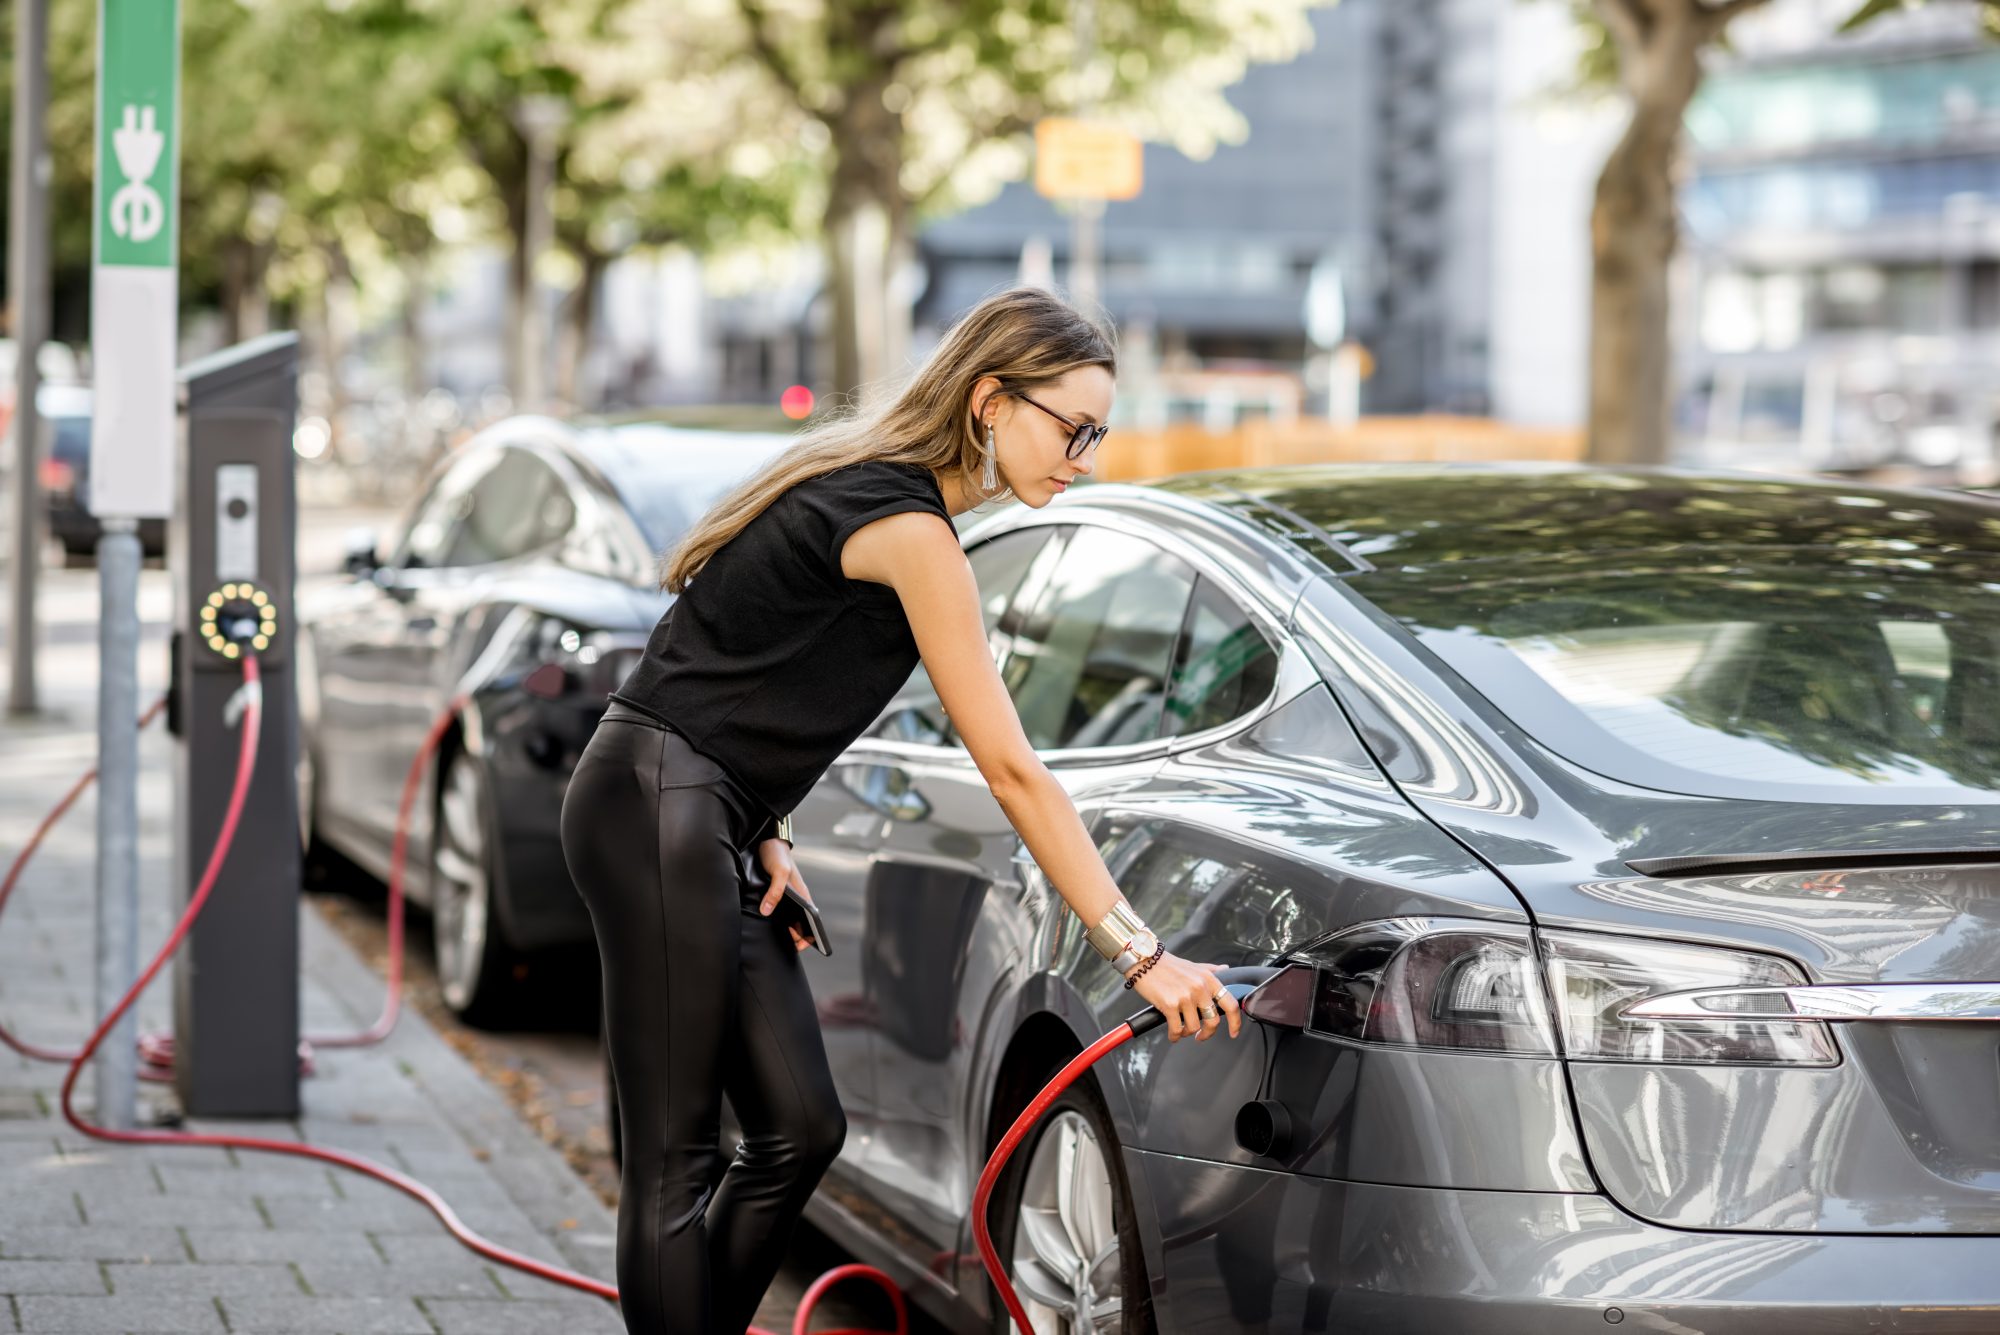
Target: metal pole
[(116, 1066), (28, 283), (133, 296)]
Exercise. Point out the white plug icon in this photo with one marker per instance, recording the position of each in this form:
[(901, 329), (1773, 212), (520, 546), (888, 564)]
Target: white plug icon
[(136, 210)]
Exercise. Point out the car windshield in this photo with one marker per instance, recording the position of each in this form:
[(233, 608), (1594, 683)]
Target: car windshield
[(1724, 669), (71, 441), (669, 479)]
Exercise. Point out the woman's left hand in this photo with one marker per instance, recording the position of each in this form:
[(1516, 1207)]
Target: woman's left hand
[(776, 855)]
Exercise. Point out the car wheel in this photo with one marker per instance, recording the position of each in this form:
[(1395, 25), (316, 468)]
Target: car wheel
[(1064, 1226), (474, 962), (316, 860)]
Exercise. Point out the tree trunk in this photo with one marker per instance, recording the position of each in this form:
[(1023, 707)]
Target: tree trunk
[(866, 208), (342, 325), (1632, 236), (514, 359), (416, 351), (246, 306), (1633, 228), (578, 314), (898, 317)]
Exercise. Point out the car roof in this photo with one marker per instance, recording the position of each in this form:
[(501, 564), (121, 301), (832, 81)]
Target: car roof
[(640, 455), (55, 400), (1410, 516)]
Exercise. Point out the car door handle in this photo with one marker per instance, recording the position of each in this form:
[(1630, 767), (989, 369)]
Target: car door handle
[(423, 623), (907, 805)]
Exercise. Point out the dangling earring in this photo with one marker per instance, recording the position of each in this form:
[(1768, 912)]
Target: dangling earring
[(988, 477)]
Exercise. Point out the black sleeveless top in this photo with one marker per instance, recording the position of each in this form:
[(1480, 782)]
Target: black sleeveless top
[(772, 661)]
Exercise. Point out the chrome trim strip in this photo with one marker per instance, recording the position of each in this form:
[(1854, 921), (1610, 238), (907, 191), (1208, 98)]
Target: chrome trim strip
[(1361, 564), (1841, 1002)]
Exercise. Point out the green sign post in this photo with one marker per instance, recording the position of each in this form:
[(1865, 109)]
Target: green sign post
[(134, 295), (135, 247), (137, 143)]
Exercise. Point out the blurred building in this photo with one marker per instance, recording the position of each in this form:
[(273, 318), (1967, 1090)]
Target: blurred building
[(1207, 269), (1419, 151), (1415, 150), (1842, 243)]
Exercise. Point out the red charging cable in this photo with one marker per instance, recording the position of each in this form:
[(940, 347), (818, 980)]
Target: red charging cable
[(156, 1050), (245, 768)]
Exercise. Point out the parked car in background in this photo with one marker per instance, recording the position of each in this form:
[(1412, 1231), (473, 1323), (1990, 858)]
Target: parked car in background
[(524, 573), (65, 478)]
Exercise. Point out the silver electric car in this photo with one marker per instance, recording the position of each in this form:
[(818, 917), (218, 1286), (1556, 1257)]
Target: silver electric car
[(1638, 831)]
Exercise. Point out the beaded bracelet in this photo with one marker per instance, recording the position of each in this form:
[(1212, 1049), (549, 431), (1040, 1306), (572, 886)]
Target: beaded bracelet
[(1146, 964)]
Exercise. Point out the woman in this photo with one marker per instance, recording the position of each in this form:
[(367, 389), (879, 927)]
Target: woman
[(807, 597)]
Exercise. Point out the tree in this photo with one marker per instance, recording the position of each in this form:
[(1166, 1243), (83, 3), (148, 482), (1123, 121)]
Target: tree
[(923, 106), (1655, 54), (685, 146)]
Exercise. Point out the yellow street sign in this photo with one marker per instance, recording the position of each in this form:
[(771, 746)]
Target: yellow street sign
[(1077, 159)]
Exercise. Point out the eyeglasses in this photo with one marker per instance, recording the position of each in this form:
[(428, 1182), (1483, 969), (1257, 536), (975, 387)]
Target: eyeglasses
[(1082, 434)]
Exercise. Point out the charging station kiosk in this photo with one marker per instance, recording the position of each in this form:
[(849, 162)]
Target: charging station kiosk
[(236, 979)]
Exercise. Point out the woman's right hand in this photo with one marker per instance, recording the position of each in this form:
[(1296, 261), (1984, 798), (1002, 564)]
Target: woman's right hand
[(1178, 988)]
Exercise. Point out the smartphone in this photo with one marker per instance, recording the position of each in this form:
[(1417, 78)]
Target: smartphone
[(797, 910), (792, 908)]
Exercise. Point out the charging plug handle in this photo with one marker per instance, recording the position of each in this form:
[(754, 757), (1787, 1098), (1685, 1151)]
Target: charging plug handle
[(1241, 980)]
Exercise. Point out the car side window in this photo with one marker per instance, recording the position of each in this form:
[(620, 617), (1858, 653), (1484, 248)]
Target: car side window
[(1223, 666), (998, 565), (1090, 665), (434, 523), (520, 506)]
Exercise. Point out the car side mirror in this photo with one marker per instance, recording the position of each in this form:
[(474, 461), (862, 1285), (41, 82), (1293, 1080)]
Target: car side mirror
[(359, 558)]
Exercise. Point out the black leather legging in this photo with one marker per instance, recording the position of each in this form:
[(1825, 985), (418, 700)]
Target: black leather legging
[(702, 995)]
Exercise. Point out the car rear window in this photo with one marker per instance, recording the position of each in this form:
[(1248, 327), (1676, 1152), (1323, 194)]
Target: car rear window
[(1825, 673)]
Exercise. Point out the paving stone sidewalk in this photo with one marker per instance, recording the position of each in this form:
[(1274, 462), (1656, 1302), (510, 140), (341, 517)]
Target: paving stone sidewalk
[(100, 1237)]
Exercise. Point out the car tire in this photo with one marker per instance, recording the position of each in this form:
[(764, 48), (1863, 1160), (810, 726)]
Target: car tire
[(319, 865), (475, 963), (1078, 1127)]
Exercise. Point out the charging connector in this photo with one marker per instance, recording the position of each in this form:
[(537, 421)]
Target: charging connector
[(236, 617)]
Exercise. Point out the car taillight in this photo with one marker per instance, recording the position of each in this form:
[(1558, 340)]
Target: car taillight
[(613, 664), (56, 475), (1479, 986), (1432, 983), (1593, 977)]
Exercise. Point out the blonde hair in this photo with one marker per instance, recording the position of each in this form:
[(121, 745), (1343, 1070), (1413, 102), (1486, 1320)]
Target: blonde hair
[(1025, 337)]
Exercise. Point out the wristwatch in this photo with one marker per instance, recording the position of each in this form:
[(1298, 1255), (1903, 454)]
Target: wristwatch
[(1140, 947), (1118, 933)]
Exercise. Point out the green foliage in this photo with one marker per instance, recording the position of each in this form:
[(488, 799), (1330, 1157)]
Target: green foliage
[(378, 128), (957, 87)]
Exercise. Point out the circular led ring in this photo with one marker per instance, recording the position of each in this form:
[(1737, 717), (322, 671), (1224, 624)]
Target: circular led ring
[(238, 591)]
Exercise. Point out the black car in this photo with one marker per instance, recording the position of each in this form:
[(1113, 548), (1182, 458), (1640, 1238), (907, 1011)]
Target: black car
[(524, 574), (65, 478)]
